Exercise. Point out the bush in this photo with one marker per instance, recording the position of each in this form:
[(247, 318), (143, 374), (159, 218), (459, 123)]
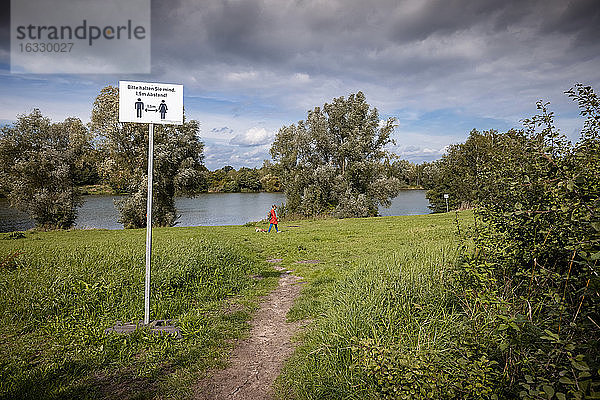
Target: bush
[(413, 375), (534, 266)]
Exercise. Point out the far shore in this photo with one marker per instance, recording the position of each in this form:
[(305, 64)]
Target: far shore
[(105, 190)]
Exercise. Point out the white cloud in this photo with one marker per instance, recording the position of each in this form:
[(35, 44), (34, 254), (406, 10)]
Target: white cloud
[(241, 76), (301, 78), (413, 152), (253, 137)]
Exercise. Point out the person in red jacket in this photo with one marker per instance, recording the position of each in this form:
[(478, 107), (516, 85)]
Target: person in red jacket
[(273, 219)]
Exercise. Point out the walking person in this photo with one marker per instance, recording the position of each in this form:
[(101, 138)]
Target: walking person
[(273, 219)]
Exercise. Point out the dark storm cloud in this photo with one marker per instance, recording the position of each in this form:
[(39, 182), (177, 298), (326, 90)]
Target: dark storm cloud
[(5, 28), (581, 18), (424, 19), (262, 30), (262, 63), (215, 31), (389, 41)]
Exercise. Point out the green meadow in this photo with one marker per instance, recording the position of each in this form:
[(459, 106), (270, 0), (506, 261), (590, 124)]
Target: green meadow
[(371, 284)]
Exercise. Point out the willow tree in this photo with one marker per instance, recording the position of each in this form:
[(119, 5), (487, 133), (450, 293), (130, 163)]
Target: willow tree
[(38, 161), (333, 162), (178, 156)]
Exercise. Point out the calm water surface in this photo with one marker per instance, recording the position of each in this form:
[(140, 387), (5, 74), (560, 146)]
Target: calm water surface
[(209, 209)]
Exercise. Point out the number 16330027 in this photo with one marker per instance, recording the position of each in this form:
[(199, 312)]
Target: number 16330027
[(36, 47)]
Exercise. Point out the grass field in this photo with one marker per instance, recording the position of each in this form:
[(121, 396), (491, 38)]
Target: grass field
[(376, 279)]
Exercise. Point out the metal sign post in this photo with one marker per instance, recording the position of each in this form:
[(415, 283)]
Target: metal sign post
[(149, 224), (151, 103), (446, 197)]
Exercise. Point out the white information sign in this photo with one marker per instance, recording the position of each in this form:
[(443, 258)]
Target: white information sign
[(145, 102), (150, 103)]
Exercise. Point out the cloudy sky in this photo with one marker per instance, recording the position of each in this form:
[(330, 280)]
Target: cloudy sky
[(250, 67)]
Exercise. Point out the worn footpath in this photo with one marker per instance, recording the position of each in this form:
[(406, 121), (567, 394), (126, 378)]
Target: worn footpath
[(256, 361)]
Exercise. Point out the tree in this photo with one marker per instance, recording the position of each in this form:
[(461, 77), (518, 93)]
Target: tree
[(269, 177), (248, 180), (178, 156), (468, 172), (37, 168), (86, 157), (333, 161), (230, 183), (408, 174), (270, 183), (216, 180)]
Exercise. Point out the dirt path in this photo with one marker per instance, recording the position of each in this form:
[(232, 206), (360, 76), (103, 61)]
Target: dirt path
[(257, 360)]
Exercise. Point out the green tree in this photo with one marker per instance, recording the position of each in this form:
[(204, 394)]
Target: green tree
[(86, 157), (229, 182), (178, 156), (37, 169), (408, 174), (468, 172), (270, 183), (216, 180), (248, 180), (269, 177), (334, 161), (227, 179)]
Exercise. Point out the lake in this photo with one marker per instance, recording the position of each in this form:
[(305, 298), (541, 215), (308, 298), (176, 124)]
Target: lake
[(208, 209)]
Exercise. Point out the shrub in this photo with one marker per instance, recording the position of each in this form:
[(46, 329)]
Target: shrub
[(535, 264)]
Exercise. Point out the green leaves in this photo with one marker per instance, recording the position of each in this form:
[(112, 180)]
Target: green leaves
[(579, 364), (38, 164), (540, 240), (402, 375), (334, 162), (549, 390), (552, 337)]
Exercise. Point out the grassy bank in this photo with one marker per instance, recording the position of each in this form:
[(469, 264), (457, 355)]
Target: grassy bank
[(372, 279), (61, 290), (381, 305)]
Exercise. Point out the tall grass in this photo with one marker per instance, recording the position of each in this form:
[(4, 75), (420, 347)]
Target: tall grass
[(61, 290), (400, 301)]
